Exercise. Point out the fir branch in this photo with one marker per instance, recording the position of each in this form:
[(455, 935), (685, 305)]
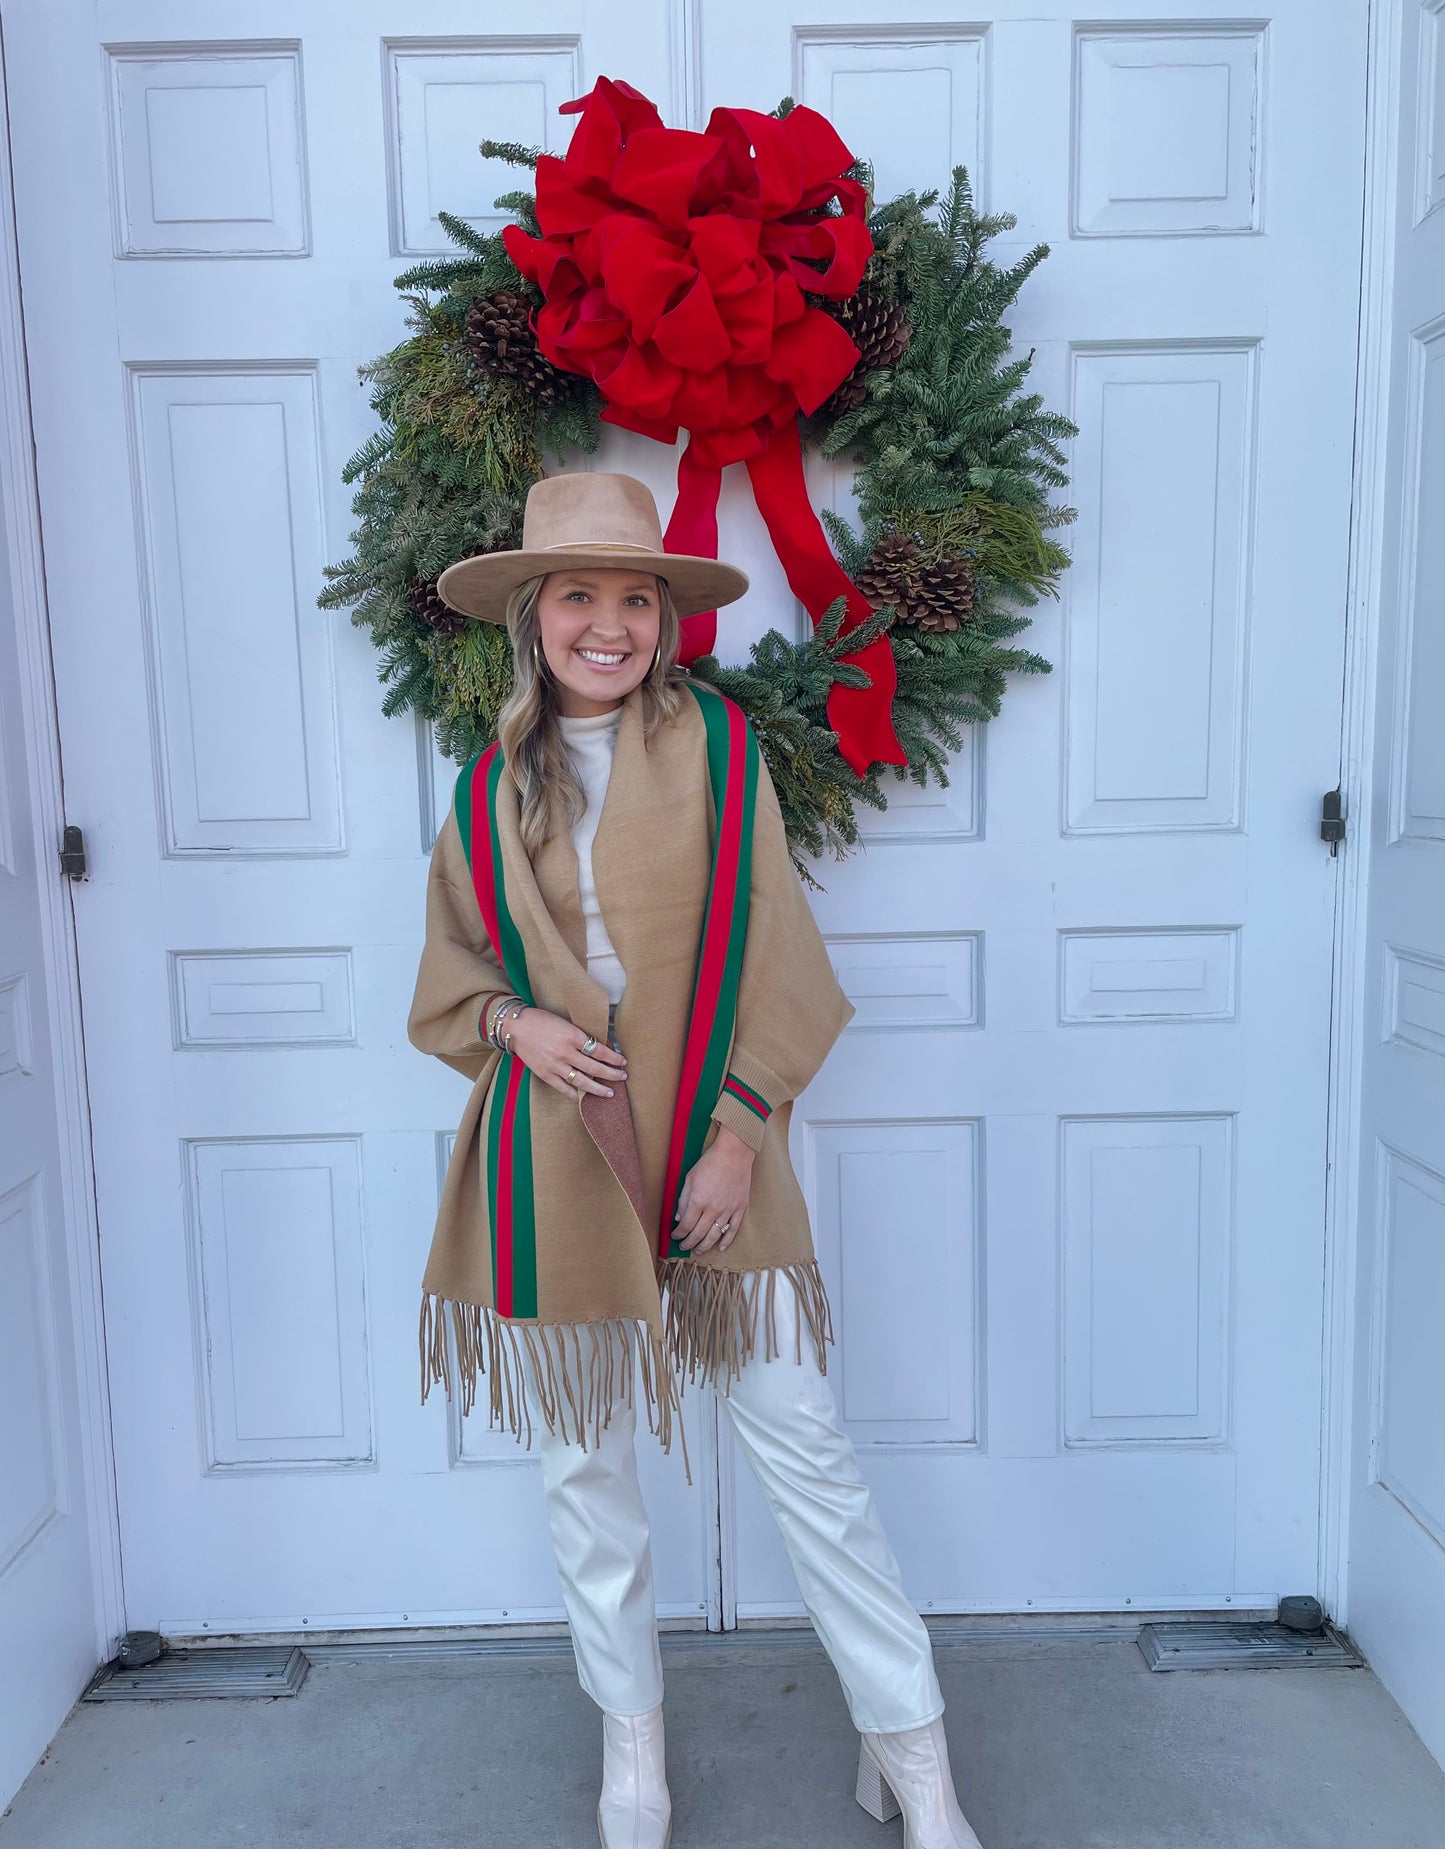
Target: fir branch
[(460, 232), (441, 273), (514, 153)]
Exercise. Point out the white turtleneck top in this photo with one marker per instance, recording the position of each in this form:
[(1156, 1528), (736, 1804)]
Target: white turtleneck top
[(591, 742)]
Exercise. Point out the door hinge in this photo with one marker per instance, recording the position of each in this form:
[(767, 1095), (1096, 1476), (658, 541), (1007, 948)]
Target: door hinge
[(72, 854), (1332, 819)]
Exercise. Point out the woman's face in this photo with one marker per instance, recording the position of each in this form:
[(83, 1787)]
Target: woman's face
[(599, 634)]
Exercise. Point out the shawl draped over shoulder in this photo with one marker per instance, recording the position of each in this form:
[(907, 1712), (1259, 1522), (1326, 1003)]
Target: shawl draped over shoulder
[(553, 1232)]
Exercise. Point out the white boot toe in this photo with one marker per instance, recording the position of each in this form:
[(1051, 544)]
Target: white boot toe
[(909, 1772), (635, 1810)]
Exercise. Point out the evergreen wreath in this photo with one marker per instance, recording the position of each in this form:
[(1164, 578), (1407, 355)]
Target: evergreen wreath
[(954, 462)]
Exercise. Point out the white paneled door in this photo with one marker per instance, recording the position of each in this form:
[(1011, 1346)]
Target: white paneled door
[(1397, 1480), (56, 1555), (211, 221), (1067, 1167)]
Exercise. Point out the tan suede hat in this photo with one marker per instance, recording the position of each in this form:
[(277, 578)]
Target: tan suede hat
[(581, 522)]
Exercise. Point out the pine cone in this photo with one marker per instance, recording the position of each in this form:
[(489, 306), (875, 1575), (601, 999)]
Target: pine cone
[(500, 340), (937, 594), (430, 608), (890, 572), (945, 594), (880, 331)]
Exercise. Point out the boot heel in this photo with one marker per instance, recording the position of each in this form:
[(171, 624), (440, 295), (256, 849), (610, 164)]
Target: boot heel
[(875, 1794)]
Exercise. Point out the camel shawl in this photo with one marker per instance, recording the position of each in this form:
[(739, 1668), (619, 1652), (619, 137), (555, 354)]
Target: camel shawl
[(554, 1225)]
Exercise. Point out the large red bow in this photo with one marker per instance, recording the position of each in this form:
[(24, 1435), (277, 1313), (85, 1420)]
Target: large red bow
[(672, 267)]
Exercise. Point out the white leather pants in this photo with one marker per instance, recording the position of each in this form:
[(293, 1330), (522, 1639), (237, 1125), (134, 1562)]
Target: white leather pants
[(786, 1423)]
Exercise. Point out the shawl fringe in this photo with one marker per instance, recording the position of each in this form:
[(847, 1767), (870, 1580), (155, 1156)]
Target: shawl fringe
[(582, 1370), (711, 1316), (712, 1320)]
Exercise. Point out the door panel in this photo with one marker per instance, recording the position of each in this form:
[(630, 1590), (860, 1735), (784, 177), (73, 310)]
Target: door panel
[(1067, 1164)]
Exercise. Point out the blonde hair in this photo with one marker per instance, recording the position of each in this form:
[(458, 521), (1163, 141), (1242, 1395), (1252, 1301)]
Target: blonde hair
[(552, 799)]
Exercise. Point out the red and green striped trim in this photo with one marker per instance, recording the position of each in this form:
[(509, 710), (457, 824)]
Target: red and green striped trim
[(733, 762), (509, 1109), (754, 1100), (732, 766)]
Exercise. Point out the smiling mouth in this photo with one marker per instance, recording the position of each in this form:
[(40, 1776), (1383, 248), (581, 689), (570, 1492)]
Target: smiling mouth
[(601, 658)]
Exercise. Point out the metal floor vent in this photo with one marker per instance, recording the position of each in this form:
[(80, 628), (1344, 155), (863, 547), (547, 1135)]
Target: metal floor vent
[(185, 1675), (1232, 1645)]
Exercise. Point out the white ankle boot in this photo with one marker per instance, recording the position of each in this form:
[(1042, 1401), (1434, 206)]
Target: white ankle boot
[(909, 1772), (634, 1811)]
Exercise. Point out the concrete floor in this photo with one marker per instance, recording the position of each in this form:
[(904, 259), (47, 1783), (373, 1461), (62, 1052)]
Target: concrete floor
[(1058, 1742)]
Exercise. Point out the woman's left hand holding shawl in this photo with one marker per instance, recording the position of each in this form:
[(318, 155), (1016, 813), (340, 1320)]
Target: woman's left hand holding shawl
[(714, 1195)]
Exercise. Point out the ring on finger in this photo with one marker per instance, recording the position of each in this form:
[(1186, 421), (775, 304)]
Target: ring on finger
[(571, 1075), (589, 1045)]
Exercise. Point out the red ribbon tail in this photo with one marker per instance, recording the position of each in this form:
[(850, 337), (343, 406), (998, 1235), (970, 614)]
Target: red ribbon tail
[(861, 716), (693, 528)]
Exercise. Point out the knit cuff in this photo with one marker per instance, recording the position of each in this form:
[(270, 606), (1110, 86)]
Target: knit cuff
[(749, 1093)]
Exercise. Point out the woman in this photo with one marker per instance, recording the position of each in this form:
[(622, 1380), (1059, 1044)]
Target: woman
[(620, 956)]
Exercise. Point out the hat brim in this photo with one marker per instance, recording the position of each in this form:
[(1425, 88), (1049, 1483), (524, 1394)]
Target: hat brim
[(480, 587)]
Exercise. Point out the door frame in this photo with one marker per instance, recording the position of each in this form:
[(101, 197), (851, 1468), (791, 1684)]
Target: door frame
[(44, 788), (1369, 536)]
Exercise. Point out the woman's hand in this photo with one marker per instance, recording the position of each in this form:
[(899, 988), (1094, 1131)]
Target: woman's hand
[(715, 1194), (549, 1045)]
